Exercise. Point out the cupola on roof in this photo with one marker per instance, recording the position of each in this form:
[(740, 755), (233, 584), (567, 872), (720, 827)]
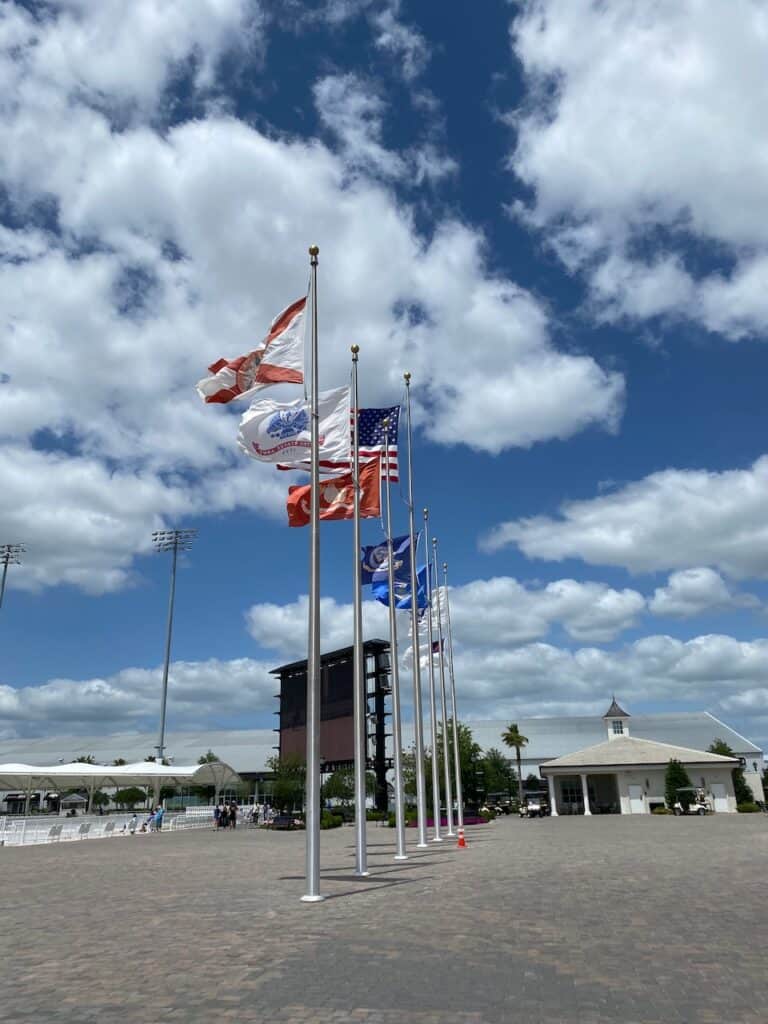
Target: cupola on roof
[(615, 711)]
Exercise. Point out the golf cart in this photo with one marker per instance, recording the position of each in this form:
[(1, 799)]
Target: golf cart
[(533, 807), (692, 801)]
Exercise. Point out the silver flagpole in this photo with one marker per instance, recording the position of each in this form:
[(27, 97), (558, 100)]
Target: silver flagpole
[(360, 703), (397, 742), (454, 712), (418, 715), (312, 797), (446, 763), (437, 838)]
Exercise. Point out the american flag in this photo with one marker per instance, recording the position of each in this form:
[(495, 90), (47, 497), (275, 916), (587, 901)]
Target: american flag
[(371, 440)]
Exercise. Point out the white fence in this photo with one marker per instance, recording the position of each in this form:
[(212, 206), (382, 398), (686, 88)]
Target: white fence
[(37, 830)]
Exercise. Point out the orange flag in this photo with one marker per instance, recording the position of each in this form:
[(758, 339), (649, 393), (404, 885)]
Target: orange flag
[(337, 497)]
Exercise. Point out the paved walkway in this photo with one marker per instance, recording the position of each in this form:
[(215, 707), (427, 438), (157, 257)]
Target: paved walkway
[(630, 920)]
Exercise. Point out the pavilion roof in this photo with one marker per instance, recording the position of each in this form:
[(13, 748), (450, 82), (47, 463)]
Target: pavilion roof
[(141, 773), (626, 751)]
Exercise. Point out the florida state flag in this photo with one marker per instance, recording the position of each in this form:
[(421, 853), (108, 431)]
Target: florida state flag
[(337, 497)]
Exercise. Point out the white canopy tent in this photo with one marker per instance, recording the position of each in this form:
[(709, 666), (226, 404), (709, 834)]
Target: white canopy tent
[(81, 775)]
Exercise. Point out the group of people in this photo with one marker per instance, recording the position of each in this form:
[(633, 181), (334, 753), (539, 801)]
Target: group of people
[(225, 815), (154, 823)]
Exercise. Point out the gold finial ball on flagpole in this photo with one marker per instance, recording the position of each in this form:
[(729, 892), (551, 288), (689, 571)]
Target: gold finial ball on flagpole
[(355, 349), (445, 566), (314, 250), (434, 542), (426, 512), (407, 377)]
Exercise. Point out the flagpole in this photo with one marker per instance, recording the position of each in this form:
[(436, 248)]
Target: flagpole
[(444, 702), (418, 714), (456, 755), (397, 742), (360, 702), (312, 796), (437, 838)]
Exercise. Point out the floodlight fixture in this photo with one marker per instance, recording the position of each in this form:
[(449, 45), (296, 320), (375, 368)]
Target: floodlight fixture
[(173, 540), (10, 554)]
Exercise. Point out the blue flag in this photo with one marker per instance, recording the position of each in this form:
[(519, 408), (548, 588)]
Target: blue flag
[(375, 558), (403, 590)]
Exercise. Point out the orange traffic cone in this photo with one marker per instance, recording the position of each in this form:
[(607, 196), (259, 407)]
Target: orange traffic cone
[(462, 843)]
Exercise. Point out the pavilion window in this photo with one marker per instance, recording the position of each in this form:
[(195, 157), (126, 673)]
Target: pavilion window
[(618, 728)]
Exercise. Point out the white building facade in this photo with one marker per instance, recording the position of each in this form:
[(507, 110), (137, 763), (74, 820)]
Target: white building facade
[(626, 775)]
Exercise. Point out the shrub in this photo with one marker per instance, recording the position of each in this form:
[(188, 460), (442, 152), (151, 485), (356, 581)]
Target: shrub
[(661, 810), (375, 815), (487, 813), (328, 820), (748, 807)]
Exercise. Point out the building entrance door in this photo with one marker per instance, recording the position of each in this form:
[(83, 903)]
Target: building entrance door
[(719, 797), (636, 801)]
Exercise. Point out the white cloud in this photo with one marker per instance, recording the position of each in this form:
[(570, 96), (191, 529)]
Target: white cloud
[(498, 611), (493, 681), (693, 591), (643, 140), (668, 520), (503, 611), (199, 694), (353, 111), (401, 41), (80, 48), (140, 272), (283, 628), (539, 678)]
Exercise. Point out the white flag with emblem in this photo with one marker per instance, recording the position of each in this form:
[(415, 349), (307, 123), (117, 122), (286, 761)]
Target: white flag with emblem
[(275, 431)]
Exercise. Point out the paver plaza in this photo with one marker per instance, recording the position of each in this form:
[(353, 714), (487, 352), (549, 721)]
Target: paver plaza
[(610, 919)]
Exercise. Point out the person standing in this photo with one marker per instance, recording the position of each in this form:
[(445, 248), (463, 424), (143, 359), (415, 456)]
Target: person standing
[(217, 816), (132, 824), (233, 814), (159, 813)]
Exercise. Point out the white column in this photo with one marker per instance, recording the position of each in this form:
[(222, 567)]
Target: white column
[(585, 791), (552, 800)]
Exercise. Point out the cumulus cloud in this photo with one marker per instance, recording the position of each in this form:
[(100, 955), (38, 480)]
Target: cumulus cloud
[(499, 611), (200, 694), (668, 520), (494, 680), (711, 671), (283, 628), (96, 51), (642, 143), (693, 591), (115, 297)]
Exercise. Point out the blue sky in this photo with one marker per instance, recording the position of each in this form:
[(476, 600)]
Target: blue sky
[(550, 212)]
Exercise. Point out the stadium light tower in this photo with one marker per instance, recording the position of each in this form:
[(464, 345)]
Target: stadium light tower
[(10, 554), (174, 541)]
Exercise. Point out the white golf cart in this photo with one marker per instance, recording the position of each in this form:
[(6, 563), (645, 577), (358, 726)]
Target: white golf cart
[(691, 800)]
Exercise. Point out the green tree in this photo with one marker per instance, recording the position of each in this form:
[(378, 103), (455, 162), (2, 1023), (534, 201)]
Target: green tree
[(99, 799), (470, 761), (289, 774), (208, 757), (130, 797), (85, 759), (741, 787), (514, 738), (119, 761), (499, 775), (676, 777), (340, 786)]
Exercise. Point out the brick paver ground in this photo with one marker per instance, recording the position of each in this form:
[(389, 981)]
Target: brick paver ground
[(631, 920)]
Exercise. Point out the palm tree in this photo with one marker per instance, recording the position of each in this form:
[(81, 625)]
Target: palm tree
[(514, 738)]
